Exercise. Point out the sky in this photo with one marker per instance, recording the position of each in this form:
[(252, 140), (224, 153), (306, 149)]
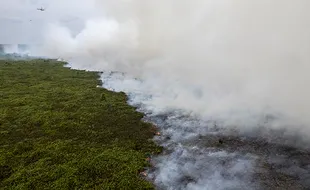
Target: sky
[(22, 23)]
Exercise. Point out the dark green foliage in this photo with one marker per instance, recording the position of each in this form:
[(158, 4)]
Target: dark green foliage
[(58, 131)]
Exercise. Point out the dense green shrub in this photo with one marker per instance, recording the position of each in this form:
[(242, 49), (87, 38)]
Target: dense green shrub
[(58, 131)]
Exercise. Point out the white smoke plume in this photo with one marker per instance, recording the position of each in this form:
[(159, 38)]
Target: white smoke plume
[(229, 60), (190, 66)]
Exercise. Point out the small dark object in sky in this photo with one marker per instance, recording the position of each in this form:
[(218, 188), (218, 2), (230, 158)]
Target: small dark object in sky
[(41, 9)]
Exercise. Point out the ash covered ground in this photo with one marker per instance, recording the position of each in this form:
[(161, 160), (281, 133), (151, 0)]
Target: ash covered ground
[(200, 154), (228, 160)]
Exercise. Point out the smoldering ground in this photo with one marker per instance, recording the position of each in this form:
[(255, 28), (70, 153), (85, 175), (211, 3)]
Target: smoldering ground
[(199, 154), (236, 70)]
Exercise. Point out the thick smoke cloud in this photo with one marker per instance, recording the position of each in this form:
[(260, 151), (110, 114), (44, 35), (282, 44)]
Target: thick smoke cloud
[(234, 61), (192, 67)]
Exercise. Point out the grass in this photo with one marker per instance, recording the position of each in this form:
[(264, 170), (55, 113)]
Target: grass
[(58, 131)]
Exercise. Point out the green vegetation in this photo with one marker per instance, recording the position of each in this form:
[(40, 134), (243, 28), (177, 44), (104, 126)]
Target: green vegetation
[(58, 131)]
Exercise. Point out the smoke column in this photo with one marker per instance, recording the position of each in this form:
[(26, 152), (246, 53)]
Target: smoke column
[(233, 61), (200, 70)]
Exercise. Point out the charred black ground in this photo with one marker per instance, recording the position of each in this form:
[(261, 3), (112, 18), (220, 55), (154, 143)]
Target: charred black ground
[(203, 155), (277, 166)]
